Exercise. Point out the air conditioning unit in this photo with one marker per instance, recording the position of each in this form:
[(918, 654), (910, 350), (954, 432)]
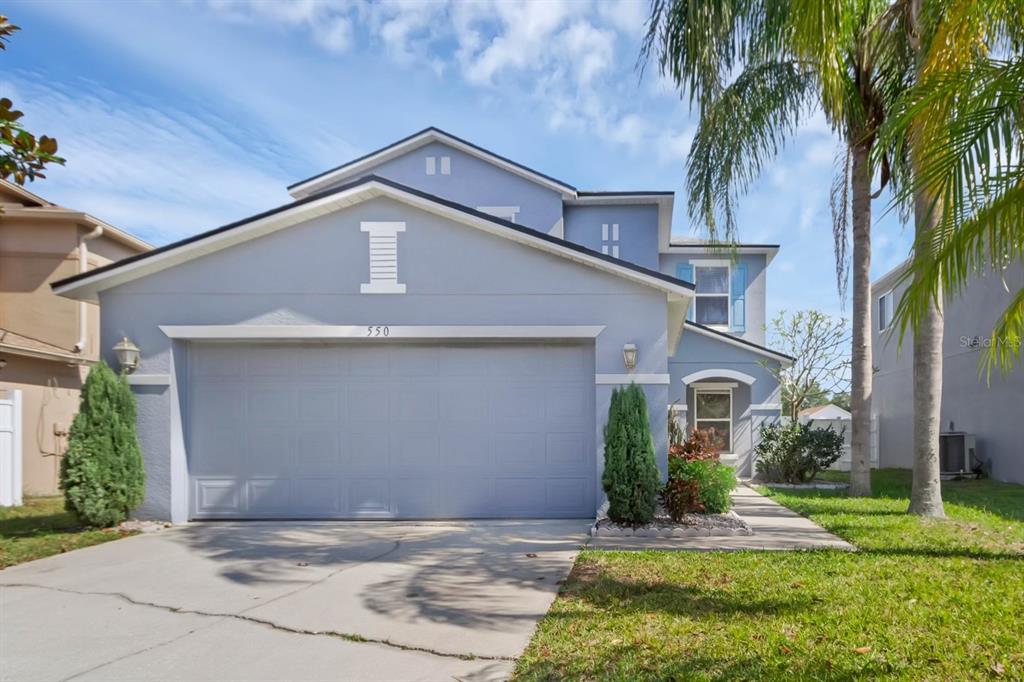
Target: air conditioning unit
[(957, 453)]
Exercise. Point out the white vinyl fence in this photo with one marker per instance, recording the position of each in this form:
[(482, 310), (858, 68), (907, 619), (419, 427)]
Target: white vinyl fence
[(10, 448), (843, 464)]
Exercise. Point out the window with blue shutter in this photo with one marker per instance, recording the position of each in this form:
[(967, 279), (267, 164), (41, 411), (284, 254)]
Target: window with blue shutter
[(684, 271), (739, 297)]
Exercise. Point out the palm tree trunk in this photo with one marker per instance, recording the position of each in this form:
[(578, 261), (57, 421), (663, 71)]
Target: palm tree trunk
[(861, 367), (926, 488)]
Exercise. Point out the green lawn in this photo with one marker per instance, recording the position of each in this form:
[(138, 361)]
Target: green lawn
[(929, 600), (40, 528)]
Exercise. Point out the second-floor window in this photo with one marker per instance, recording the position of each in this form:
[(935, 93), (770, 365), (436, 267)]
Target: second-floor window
[(712, 294), (610, 239)]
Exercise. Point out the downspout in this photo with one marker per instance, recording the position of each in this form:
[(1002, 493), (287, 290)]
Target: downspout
[(83, 265)]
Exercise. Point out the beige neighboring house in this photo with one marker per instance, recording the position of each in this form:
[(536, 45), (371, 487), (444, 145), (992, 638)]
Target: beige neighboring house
[(47, 342)]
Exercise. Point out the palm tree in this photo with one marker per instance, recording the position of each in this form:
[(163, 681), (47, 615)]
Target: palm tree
[(961, 125), (794, 56)]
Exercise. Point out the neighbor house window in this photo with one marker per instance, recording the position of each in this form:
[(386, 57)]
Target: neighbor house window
[(885, 310), (713, 412), (712, 304)]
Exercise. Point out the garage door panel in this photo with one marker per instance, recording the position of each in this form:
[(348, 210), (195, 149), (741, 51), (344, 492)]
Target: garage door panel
[(368, 402), (566, 404), (269, 495), (462, 402), (518, 453), (366, 453), (415, 402), (467, 497), (569, 495), (316, 496), (218, 496), (566, 453), (415, 497), (392, 430), (516, 496), (369, 497), (319, 404), (316, 454), (268, 454), (220, 453), (466, 452), (270, 405), (414, 452)]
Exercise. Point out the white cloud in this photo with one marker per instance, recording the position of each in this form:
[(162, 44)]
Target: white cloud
[(160, 173)]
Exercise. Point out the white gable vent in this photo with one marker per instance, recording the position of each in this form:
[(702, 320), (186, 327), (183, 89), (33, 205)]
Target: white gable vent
[(383, 258)]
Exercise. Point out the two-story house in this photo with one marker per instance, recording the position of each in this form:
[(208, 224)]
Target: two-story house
[(47, 342), (429, 331), (986, 408)]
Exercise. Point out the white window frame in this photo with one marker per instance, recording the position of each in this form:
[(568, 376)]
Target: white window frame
[(697, 265), (887, 298), (697, 391), (446, 165), (431, 168)]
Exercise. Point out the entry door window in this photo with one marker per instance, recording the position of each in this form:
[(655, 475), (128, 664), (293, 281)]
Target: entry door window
[(714, 414), (712, 305)]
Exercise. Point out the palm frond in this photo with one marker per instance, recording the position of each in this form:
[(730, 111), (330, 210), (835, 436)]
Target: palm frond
[(739, 133)]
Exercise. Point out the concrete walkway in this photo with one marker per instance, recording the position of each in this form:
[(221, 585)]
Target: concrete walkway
[(775, 528)]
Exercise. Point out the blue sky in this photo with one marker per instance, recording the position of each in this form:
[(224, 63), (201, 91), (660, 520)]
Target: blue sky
[(178, 117)]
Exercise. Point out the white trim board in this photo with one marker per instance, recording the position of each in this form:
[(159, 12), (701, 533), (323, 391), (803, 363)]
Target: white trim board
[(149, 379), (375, 332), (718, 374), (88, 287), (618, 379), (768, 407)]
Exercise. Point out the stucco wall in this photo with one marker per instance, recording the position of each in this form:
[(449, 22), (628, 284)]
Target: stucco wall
[(756, 287), (991, 411), (310, 274), (474, 183), (638, 230), (752, 404)]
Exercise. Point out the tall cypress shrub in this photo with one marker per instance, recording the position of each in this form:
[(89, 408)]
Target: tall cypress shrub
[(102, 473), (631, 475)]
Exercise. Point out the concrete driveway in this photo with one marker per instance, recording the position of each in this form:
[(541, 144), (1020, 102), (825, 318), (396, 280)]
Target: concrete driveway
[(287, 601)]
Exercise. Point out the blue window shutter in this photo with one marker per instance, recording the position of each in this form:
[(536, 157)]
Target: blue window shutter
[(739, 297), (684, 271)]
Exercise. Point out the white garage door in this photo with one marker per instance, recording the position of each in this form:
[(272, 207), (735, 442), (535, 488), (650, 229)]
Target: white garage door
[(391, 431)]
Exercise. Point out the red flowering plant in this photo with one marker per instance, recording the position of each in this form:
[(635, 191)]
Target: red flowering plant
[(697, 480)]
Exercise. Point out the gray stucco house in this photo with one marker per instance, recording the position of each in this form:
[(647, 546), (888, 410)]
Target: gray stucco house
[(429, 331), (989, 408)]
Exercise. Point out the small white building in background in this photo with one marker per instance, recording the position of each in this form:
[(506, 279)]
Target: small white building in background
[(824, 416), (828, 412)]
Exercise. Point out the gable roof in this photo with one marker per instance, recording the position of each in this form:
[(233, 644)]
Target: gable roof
[(86, 285), (359, 166), (786, 360)]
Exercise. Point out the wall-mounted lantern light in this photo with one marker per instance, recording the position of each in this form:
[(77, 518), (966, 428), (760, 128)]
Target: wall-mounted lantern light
[(629, 356), (127, 355), (3, 362)]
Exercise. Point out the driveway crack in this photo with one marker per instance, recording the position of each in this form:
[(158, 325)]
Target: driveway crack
[(346, 636)]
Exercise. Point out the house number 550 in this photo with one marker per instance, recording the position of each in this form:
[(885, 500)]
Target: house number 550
[(378, 330)]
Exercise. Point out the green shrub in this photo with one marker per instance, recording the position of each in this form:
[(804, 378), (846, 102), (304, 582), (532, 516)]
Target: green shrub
[(697, 481), (102, 473), (630, 477), (795, 452)]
